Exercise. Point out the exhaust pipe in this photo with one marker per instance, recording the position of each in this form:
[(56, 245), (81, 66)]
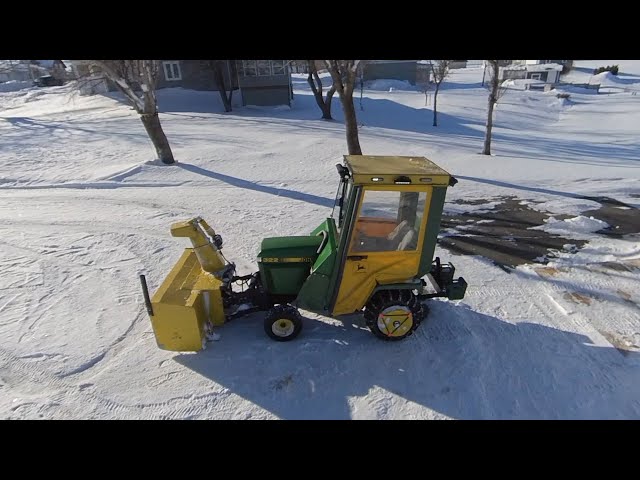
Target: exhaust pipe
[(145, 292)]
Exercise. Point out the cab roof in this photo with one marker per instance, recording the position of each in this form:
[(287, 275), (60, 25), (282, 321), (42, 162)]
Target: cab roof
[(390, 170)]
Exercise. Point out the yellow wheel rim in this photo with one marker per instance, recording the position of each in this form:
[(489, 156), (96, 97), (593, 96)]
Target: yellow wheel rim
[(283, 327), (395, 321)]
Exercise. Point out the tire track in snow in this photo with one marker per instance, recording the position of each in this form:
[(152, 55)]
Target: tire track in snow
[(76, 401), (111, 350), (83, 403)]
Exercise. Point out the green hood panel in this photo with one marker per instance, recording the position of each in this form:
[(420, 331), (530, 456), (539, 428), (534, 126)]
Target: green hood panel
[(290, 247)]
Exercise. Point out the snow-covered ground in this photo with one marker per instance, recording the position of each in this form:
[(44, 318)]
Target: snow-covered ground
[(84, 209)]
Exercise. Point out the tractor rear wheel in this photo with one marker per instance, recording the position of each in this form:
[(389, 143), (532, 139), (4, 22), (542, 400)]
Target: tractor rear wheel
[(394, 314), (283, 323)]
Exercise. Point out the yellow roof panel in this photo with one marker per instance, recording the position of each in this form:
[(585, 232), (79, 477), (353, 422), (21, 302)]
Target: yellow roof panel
[(363, 166), (392, 165)]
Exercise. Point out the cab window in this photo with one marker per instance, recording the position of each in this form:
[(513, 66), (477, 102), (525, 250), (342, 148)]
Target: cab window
[(388, 221)]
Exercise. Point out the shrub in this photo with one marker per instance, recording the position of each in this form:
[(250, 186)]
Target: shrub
[(609, 68)]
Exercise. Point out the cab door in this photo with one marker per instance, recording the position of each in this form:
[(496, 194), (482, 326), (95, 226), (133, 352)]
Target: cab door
[(385, 242)]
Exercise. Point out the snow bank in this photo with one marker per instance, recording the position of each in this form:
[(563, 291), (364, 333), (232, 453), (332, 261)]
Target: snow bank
[(389, 85), (572, 226), (268, 108), (460, 208)]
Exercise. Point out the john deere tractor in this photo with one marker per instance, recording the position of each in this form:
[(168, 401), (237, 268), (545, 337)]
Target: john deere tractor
[(373, 255)]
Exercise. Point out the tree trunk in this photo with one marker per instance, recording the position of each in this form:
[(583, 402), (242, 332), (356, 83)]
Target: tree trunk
[(487, 135), (344, 81), (435, 106), (351, 124), (493, 98), (316, 87), (327, 103), (152, 125), (219, 78)]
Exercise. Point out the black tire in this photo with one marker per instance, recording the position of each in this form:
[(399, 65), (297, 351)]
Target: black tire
[(390, 300), (283, 323)]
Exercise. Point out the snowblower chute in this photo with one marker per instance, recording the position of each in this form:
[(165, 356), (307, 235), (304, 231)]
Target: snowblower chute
[(373, 255)]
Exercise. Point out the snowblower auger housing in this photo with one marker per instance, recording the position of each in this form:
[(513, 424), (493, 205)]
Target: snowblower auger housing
[(373, 255)]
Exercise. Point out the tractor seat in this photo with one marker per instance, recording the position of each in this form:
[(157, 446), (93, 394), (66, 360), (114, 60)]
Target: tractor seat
[(409, 241), (401, 236)]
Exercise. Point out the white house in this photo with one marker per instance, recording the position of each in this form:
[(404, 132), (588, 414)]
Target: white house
[(543, 72), (566, 64)]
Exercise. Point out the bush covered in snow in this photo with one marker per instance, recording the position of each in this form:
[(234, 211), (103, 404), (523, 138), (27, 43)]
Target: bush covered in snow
[(609, 68)]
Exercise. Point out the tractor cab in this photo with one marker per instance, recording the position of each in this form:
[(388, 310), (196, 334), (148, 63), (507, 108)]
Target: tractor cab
[(373, 255), (386, 221)]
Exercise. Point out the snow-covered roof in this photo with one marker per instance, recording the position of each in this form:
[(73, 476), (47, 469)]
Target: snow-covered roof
[(536, 68)]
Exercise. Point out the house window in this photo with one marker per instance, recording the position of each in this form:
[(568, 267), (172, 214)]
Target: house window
[(172, 70), (264, 67), (278, 67), (536, 76), (248, 68)]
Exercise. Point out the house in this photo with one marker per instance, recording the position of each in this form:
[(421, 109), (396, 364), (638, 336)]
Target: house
[(454, 64), (264, 82), (261, 82), (14, 70), (404, 70), (302, 66), (20, 70), (195, 74), (566, 64), (546, 72), (423, 72)]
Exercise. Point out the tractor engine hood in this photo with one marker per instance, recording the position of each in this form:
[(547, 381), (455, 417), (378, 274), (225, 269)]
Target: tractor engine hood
[(290, 249)]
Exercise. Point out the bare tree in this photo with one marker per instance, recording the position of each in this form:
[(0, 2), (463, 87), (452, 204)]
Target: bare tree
[(495, 93), (440, 71), (425, 87), (316, 87), (218, 68), (136, 79), (343, 73)]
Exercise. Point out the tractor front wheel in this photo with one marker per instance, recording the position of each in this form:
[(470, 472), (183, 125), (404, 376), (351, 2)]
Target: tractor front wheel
[(283, 323), (394, 314)]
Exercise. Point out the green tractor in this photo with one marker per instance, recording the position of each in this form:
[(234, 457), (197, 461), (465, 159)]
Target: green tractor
[(373, 255)]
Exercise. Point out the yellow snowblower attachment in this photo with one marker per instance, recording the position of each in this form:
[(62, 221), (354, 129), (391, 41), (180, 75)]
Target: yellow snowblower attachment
[(189, 299)]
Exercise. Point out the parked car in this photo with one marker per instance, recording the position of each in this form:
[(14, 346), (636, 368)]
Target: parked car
[(48, 81)]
